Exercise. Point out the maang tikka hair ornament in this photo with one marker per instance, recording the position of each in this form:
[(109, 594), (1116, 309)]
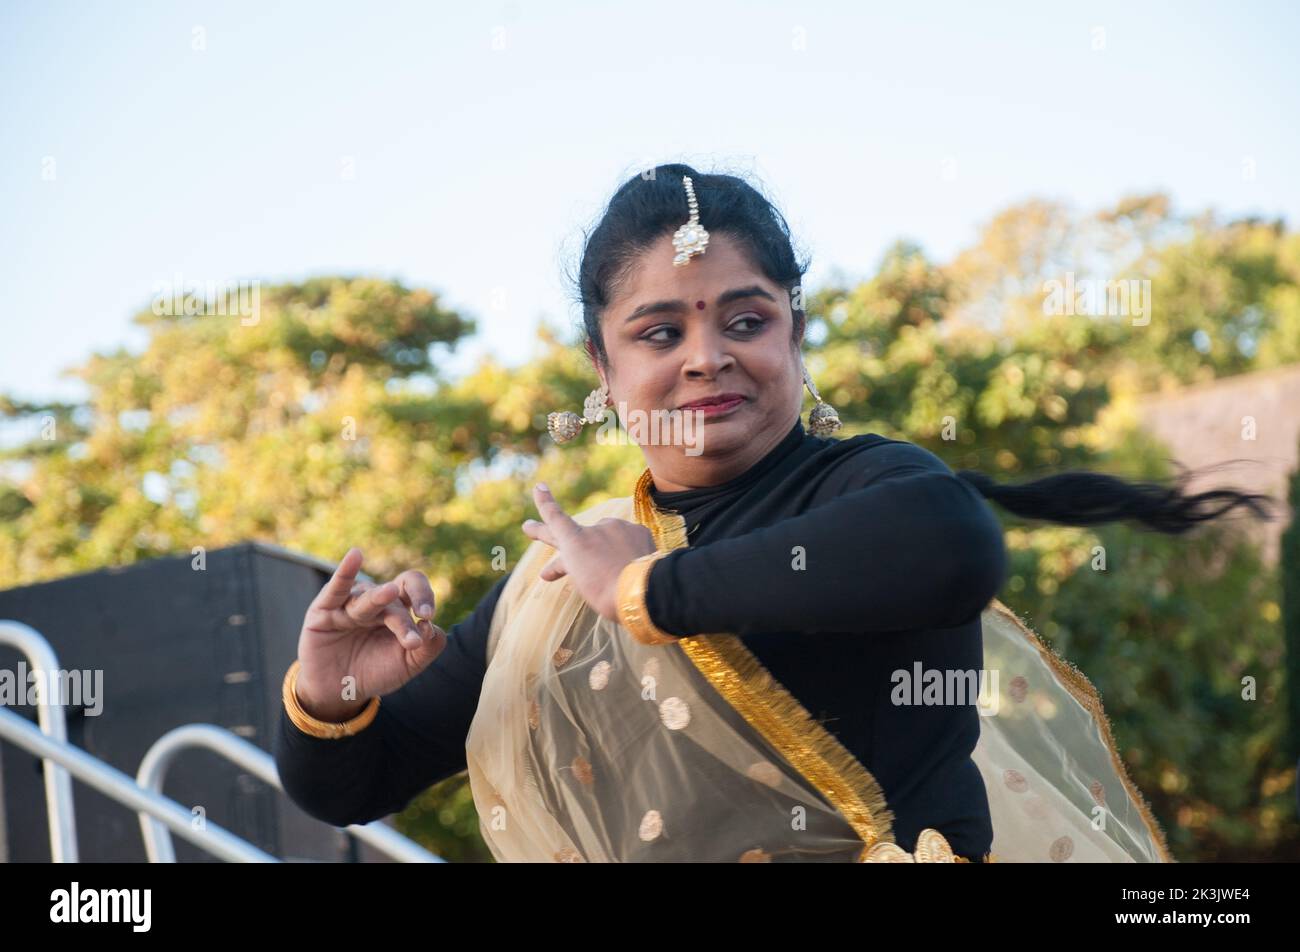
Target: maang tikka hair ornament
[(689, 240)]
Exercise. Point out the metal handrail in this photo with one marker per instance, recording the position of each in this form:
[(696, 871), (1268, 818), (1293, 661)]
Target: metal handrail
[(159, 814), (58, 784), (153, 770), (122, 787)]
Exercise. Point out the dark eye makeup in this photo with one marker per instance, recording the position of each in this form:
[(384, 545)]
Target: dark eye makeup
[(754, 319)]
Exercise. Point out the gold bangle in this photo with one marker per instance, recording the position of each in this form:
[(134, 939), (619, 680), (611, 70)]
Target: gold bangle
[(632, 611), (331, 730)]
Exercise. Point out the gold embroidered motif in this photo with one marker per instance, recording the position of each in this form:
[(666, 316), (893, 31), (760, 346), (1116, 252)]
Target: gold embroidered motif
[(651, 826), (598, 678), (582, 770), (675, 713), (1098, 792), (1061, 849)]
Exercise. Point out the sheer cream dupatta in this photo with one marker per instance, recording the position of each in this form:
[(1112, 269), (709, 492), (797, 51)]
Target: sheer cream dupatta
[(1057, 787), (588, 746)]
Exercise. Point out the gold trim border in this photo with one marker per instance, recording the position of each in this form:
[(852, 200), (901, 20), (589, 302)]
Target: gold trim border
[(773, 711)]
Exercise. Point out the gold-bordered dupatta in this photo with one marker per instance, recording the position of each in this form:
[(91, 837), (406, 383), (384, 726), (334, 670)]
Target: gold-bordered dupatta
[(589, 746)]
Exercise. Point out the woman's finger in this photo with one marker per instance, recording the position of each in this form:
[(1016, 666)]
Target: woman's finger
[(366, 609), (554, 569), (339, 588), (562, 526), (539, 531), (399, 621), (416, 592)]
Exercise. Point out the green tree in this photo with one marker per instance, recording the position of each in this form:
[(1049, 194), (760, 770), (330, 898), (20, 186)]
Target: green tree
[(1290, 563)]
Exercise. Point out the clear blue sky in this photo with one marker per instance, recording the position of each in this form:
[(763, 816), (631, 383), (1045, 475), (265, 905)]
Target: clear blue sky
[(476, 168)]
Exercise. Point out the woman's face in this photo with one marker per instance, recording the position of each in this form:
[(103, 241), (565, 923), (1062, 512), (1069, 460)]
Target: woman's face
[(714, 326)]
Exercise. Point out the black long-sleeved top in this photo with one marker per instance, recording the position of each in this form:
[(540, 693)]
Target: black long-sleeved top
[(838, 562)]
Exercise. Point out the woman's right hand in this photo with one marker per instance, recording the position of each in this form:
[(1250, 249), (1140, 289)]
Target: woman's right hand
[(364, 632)]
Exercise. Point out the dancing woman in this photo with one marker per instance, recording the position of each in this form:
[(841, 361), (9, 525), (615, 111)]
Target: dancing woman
[(778, 646)]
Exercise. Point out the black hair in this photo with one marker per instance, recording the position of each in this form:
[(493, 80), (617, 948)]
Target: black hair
[(653, 203), (1082, 498)]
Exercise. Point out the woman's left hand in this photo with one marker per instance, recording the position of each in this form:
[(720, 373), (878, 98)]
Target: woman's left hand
[(592, 556)]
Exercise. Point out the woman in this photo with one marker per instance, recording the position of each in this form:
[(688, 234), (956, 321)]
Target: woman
[(772, 650)]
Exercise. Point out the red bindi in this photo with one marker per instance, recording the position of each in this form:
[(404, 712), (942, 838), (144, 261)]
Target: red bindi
[(699, 305)]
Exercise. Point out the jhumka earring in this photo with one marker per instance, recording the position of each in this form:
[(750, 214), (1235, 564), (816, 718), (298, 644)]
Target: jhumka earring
[(822, 419), (565, 425)]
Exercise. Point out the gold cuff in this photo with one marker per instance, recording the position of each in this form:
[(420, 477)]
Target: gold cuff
[(330, 730), (630, 596)]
